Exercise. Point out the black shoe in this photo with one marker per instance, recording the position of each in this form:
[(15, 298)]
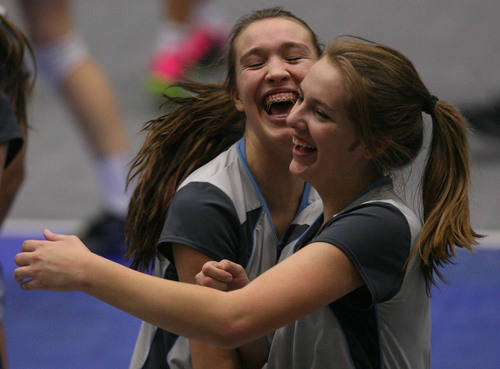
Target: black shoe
[(485, 118), (105, 235)]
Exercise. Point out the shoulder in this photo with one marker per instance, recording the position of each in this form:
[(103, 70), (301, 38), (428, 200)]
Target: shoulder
[(217, 171), (366, 225), (200, 200), (230, 176), (377, 239)]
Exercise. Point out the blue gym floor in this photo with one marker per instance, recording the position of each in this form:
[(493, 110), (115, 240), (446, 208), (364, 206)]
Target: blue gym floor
[(50, 330), (451, 47)]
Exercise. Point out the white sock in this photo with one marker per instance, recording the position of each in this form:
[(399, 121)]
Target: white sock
[(112, 175), (211, 14)]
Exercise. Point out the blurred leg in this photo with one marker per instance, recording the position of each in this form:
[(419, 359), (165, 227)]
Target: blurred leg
[(62, 57)]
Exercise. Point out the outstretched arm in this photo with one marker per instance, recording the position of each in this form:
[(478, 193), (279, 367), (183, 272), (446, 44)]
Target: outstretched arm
[(310, 279)]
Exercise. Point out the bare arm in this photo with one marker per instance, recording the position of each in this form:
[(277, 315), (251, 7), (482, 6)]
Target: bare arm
[(310, 279), (229, 276), (188, 263)]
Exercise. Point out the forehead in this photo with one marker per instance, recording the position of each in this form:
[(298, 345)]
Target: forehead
[(269, 33), (325, 80)]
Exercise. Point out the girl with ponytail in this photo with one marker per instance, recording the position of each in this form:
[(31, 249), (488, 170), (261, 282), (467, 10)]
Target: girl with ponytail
[(353, 291)]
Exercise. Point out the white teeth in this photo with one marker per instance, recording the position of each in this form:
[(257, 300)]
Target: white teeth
[(298, 142), (279, 98)]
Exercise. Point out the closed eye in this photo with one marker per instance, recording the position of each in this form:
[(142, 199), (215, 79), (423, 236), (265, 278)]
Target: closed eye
[(322, 115), (254, 65)]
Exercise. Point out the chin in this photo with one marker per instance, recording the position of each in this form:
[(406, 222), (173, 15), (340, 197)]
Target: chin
[(298, 170)]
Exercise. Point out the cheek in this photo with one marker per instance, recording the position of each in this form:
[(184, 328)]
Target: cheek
[(301, 72)]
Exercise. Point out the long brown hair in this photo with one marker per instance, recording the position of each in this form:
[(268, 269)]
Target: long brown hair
[(386, 100), (198, 129), (15, 80)]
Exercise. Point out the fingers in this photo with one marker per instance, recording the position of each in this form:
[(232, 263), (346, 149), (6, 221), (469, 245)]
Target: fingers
[(21, 259), (31, 285), (214, 277), (47, 264), (22, 273), (236, 270), (51, 236), (32, 245), (203, 280), (29, 245), (214, 270)]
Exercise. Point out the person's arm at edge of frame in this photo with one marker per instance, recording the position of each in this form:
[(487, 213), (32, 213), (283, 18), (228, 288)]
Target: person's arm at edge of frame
[(12, 178), (292, 289), (3, 349)]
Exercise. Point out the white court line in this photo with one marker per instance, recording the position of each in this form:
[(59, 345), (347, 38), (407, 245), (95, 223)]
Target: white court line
[(33, 228), (491, 239)]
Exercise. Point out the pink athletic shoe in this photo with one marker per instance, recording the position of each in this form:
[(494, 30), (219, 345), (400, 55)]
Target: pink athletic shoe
[(171, 65)]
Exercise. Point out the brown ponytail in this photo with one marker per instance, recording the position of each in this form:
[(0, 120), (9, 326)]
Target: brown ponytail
[(15, 79), (386, 100), (445, 187)]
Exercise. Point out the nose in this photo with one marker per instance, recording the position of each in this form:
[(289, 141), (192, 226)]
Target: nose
[(295, 118), (277, 71)]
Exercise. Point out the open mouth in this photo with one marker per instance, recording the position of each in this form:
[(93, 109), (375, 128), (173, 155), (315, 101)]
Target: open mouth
[(302, 146), (279, 105)]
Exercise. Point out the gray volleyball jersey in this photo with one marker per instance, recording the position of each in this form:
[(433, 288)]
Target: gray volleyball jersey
[(384, 324), (220, 212)]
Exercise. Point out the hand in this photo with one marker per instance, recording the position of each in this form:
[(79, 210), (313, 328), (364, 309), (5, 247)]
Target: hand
[(224, 275), (55, 264)]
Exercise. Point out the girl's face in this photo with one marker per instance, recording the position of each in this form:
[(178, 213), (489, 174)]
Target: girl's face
[(327, 150), (272, 57)]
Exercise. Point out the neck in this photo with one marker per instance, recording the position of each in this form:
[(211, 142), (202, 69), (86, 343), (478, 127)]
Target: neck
[(337, 197), (281, 190), (272, 174)]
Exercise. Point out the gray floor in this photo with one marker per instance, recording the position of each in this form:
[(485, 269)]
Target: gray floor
[(453, 44)]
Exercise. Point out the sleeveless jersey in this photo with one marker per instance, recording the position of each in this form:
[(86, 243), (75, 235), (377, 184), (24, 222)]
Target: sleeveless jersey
[(384, 324), (219, 211)]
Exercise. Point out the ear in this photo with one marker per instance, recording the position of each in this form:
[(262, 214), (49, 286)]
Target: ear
[(237, 101), (381, 146)]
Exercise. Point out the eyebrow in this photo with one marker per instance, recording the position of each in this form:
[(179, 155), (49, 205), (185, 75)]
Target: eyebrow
[(319, 102), (283, 47)]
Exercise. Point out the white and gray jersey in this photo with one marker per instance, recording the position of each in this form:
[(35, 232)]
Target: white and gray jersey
[(384, 324), (219, 211)]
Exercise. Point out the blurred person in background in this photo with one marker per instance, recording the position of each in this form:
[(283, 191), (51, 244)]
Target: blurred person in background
[(64, 60), (15, 87), (192, 32)]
